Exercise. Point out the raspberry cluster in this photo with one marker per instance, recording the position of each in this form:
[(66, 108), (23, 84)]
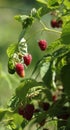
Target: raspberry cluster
[(26, 111), (56, 23), (19, 67), (21, 59)]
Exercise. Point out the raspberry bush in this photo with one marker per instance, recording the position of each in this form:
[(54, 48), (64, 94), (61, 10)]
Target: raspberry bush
[(43, 99)]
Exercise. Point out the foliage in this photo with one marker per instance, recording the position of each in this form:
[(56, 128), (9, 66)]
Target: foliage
[(48, 91)]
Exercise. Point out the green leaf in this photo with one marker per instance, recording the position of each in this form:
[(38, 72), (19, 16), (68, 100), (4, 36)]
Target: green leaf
[(65, 74), (54, 3), (54, 46), (66, 33), (36, 68), (11, 67), (3, 112), (42, 11), (48, 76), (61, 52), (66, 18), (67, 3), (11, 49), (51, 4), (21, 18), (23, 124), (68, 124), (13, 103), (51, 124), (45, 66), (12, 125), (61, 125), (40, 63), (17, 120), (42, 1), (27, 22), (48, 94), (54, 110), (24, 86), (40, 117), (57, 49)]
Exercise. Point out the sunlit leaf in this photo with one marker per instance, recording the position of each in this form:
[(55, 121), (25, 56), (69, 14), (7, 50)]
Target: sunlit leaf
[(11, 68), (11, 49), (66, 33), (3, 112), (21, 18), (42, 11), (67, 3), (65, 73), (48, 76), (24, 86), (42, 1), (45, 65), (54, 3), (54, 46)]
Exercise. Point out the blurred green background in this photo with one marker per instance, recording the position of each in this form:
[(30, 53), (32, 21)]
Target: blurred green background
[(9, 27), (9, 33)]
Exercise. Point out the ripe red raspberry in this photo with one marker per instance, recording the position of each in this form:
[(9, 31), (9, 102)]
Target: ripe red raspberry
[(42, 44), (20, 69), (27, 59), (54, 23), (28, 111)]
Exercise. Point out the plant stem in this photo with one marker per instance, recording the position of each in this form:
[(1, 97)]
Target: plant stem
[(47, 29), (51, 30), (43, 29)]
